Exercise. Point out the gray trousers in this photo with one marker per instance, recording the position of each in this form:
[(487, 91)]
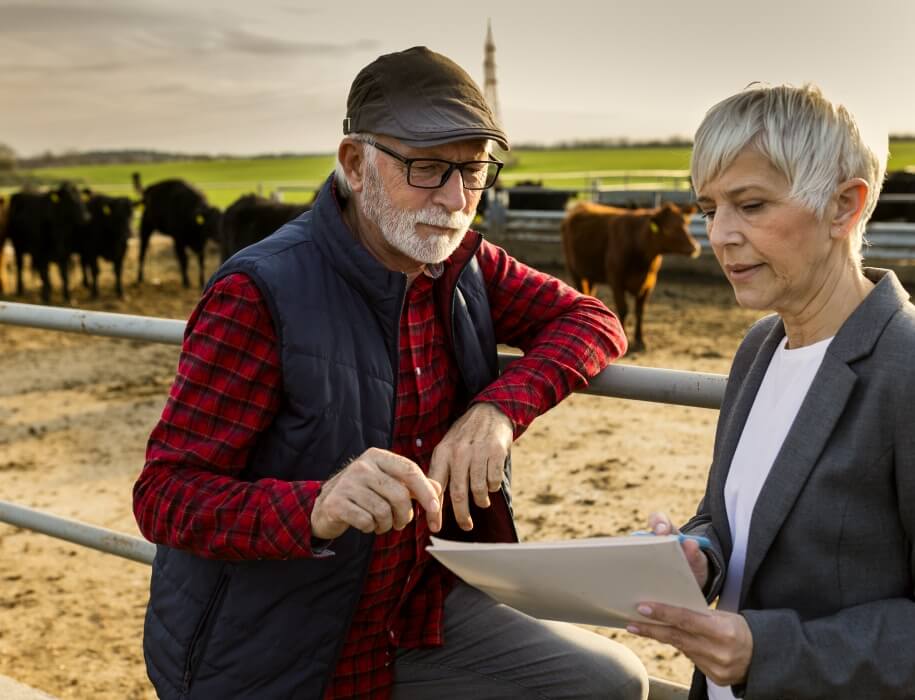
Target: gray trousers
[(494, 651)]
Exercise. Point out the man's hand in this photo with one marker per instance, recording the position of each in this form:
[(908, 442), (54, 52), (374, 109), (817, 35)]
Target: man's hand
[(660, 524), (719, 643), (473, 453), (375, 493)]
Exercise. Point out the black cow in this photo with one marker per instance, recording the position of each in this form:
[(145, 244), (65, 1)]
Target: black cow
[(3, 235), (105, 236), (532, 195), (898, 182), (251, 218), (45, 226), (178, 210)]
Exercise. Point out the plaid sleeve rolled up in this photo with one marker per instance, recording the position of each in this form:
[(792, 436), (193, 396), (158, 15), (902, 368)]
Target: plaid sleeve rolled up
[(567, 337), (227, 391)]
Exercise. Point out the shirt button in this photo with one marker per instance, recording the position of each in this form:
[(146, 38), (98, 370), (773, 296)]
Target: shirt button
[(419, 442), (391, 634), (419, 371)]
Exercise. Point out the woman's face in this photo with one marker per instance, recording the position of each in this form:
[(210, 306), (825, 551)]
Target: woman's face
[(774, 251)]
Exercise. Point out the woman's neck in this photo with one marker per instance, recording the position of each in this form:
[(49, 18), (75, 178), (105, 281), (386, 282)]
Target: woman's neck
[(835, 301)]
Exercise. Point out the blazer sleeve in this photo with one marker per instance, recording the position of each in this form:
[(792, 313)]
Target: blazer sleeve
[(701, 524)]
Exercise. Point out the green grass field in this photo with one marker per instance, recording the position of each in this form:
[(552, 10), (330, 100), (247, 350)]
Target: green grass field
[(224, 180)]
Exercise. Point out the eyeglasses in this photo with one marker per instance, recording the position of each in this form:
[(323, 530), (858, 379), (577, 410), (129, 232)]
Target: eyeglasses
[(432, 173)]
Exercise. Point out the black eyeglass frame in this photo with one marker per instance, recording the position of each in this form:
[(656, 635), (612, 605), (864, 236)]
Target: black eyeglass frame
[(452, 166)]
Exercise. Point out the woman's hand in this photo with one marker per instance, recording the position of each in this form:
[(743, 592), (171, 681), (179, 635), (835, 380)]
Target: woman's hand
[(660, 524), (719, 643)]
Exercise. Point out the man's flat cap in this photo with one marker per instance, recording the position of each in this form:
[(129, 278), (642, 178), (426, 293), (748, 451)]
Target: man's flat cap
[(421, 98)]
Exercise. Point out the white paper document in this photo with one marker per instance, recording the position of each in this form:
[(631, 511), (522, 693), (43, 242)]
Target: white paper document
[(597, 581)]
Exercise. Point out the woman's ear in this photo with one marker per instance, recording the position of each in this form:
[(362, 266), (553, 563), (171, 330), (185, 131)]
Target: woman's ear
[(850, 197), (350, 154)]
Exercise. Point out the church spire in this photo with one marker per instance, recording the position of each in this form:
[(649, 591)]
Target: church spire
[(489, 73)]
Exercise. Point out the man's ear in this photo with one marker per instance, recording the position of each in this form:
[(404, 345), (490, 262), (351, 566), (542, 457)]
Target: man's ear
[(350, 154), (851, 196)]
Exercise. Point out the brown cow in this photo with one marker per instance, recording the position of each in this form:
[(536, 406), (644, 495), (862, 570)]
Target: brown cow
[(623, 248)]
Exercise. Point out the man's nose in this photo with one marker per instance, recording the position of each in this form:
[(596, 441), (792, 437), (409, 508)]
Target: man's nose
[(452, 195)]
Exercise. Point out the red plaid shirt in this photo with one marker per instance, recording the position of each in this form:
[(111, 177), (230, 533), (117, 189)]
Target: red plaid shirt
[(228, 389)]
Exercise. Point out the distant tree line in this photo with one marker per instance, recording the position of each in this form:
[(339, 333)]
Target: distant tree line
[(615, 142), (10, 163)]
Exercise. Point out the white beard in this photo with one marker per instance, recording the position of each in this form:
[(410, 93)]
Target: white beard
[(398, 226)]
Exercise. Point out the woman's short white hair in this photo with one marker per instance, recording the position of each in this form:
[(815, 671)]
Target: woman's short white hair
[(369, 153), (813, 142)]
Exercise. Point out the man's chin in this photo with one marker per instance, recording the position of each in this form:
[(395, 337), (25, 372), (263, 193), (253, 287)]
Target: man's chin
[(429, 255)]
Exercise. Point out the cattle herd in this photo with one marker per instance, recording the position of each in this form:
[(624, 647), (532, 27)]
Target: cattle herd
[(66, 224), (618, 247)]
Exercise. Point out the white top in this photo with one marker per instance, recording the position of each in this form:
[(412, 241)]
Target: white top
[(780, 395)]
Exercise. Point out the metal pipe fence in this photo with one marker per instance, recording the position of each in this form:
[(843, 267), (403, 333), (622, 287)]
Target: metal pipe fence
[(888, 240), (623, 381)]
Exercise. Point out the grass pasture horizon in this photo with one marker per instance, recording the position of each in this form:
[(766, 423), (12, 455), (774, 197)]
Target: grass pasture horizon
[(224, 180)]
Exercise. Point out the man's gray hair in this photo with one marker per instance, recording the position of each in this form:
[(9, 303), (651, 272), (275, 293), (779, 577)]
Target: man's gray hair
[(813, 142)]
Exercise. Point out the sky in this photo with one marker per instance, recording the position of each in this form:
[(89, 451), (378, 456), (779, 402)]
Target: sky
[(224, 76)]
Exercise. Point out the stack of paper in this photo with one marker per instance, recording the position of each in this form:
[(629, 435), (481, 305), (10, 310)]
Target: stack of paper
[(595, 581)]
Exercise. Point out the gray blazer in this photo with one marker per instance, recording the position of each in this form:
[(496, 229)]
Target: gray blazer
[(829, 583)]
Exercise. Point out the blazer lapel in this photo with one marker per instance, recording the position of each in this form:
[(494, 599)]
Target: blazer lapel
[(736, 419), (817, 417)]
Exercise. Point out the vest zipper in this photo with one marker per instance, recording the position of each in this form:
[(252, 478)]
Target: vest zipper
[(395, 361), (205, 624)]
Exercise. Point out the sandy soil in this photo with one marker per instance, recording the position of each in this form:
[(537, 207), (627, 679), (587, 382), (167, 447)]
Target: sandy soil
[(75, 413)]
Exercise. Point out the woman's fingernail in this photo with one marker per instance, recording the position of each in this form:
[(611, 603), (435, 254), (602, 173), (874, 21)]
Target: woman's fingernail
[(633, 629), (644, 610)]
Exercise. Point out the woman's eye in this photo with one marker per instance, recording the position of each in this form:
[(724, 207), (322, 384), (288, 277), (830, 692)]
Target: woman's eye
[(751, 206), (707, 215)]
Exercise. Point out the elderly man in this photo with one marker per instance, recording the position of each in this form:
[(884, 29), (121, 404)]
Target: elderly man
[(338, 400)]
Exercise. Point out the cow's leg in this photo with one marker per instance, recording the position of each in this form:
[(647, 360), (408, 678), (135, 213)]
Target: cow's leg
[(118, 269), (63, 265), (200, 263), (20, 260), (181, 254), (145, 233), (640, 302), (93, 272), (44, 268), (622, 307), (2, 266)]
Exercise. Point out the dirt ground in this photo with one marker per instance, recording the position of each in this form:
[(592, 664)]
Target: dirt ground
[(75, 413)]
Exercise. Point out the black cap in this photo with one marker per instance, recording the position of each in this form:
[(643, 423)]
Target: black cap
[(421, 98)]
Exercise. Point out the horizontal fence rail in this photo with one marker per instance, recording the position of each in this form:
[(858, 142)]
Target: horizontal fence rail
[(700, 389), (92, 536), (886, 239)]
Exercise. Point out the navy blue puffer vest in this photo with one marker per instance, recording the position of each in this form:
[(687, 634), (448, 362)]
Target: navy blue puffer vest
[(274, 629)]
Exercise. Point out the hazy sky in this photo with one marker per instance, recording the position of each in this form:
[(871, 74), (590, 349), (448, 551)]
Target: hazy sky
[(270, 76)]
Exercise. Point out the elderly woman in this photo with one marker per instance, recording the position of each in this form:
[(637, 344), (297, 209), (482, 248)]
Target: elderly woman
[(810, 503)]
